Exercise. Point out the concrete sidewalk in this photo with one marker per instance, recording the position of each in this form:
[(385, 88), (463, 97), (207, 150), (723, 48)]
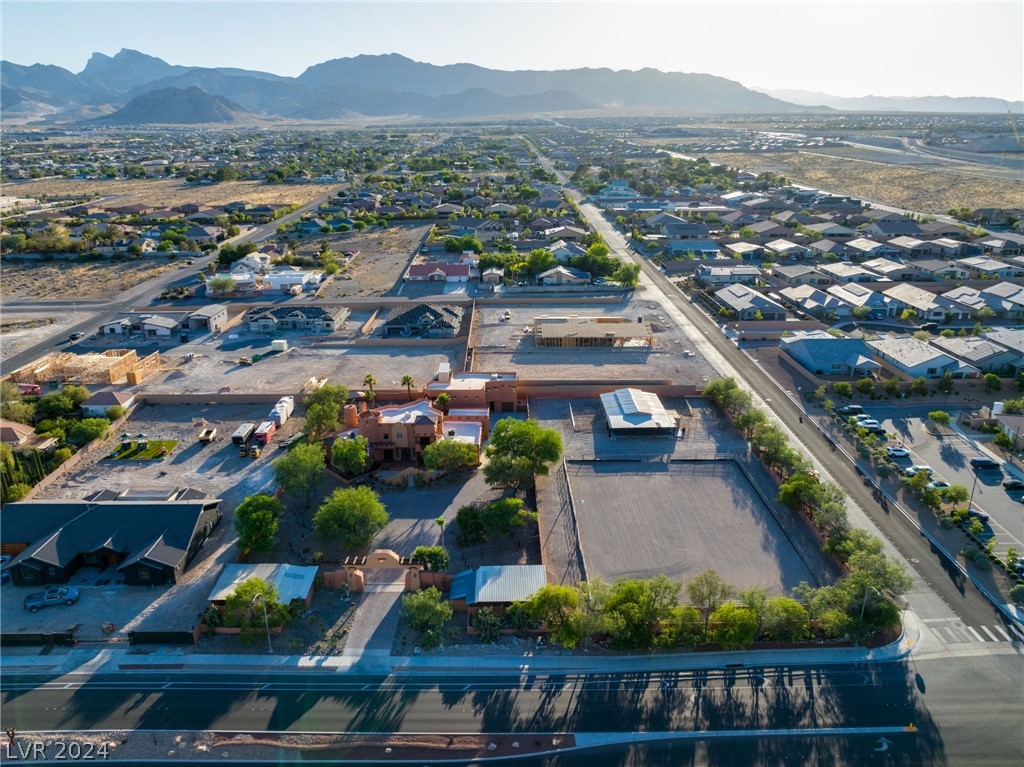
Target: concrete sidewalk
[(90, 661)]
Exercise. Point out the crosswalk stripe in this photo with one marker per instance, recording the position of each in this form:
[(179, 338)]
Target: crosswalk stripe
[(994, 637), (1017, 633), (949, 630), (977, 636), (1000, 630)]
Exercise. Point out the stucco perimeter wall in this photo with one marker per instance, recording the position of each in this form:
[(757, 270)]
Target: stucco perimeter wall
[(590, 389)]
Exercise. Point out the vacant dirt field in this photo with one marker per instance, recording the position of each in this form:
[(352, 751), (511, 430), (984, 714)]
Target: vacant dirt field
[(933, 191), (41, 280), (383, 258), (167, 193)]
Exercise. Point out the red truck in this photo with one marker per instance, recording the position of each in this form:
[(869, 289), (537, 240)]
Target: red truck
[(265, 432), (28, 388)]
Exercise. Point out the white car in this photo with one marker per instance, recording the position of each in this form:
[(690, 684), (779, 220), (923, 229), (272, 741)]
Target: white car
[(917, 469), (897, 452), (868, 423), (861, 417), (938, 484)]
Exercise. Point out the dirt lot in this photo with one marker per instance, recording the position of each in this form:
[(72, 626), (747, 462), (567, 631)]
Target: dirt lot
[(932, 191), (215, 366), (510, 346), (38, 328), (690, 516), (383, 258), (41, 280), (168, 193)]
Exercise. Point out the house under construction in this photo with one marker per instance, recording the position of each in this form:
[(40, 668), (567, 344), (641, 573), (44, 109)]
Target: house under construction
[(575, 331), (110, 367)]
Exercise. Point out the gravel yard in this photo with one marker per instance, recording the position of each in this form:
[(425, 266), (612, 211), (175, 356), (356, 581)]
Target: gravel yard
[(39, 280), (384, 255)]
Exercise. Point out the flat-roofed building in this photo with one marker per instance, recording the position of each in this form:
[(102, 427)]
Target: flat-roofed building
[(575, 331)]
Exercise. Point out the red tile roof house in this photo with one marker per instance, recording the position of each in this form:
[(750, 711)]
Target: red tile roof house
[(438, 273)]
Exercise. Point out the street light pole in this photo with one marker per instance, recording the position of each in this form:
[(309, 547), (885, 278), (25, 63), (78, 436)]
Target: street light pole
[(864, 603), (266, 620), (970, 502)]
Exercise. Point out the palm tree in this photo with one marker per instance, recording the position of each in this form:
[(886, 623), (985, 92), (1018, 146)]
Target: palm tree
[(369, 381), (407, 382), (442, 402)]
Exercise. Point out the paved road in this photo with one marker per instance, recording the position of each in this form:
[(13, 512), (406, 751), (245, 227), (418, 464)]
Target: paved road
[(141, 295), (959, 719)]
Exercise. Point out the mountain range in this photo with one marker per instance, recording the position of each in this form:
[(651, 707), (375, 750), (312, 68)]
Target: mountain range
[(132, 88), (944, 104)]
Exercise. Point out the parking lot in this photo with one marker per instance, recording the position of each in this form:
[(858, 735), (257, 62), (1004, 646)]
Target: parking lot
[(642, 519), (949, 456), (509, 345)]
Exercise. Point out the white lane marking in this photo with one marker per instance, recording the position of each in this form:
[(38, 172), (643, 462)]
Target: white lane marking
[(1000, 630), (994, 637), (977, 636), (1017, 633), (951, 632)]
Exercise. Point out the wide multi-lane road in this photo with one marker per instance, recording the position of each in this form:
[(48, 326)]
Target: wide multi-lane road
[(927, 711)]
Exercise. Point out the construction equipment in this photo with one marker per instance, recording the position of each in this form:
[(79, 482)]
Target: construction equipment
[(244, 361), (255, 452)]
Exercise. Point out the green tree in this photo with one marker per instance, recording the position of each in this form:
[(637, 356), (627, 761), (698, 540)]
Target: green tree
[(244, 608), (408, 382), (540, 260), (732, 626), (627, 275), (300, 471), (861, 312), (956, 494), (786, 620), (843, 389), (77, 394), (488, 623), (427, 612), (350, 515), (866, 386), (54, 405), (114, 412), (1003, 440), (892, 386), (350, 456), (449, 455), (225, 173), (637, 608), (518, 451), (919, 387), (222, 283), (801, 491), (750, 421), (993, 382), (945, 384), (683, 627), (707, 591), (1017, 594), (87, 430), (442, 402), (558, 609), (369, 381), (939, 417), (434, 557), (908, 314), (256, 522), (11, 405), (322, 418)]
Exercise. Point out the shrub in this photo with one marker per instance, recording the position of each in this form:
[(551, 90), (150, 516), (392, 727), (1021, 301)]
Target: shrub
[(488, 623)]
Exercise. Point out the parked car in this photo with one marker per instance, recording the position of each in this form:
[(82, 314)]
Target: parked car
[(859, 417), (917, 469), (61, 595), (1013, 484), (868, 423), (897, 452), (76, 336), (849, 409), (984, 464), (938, 484), (977, 514)]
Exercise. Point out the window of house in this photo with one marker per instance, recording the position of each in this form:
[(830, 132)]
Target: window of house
[(932, 371), (143, 574)]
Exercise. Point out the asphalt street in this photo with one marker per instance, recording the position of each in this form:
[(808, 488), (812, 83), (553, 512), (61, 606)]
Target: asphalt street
[(762, 715)]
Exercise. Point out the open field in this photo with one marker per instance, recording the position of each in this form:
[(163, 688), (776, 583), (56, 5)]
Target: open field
[(68, 281), (167, 193), (383, 258), (689, 517), (932, 191)]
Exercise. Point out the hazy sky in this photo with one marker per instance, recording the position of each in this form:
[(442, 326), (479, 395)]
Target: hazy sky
[(899, 48)]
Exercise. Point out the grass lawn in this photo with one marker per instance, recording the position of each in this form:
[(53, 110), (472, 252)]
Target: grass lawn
[(134, 451)]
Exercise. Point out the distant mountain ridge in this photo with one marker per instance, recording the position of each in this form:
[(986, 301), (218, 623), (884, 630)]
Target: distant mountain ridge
[(948, 104), (176, 106), (370, 86)]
